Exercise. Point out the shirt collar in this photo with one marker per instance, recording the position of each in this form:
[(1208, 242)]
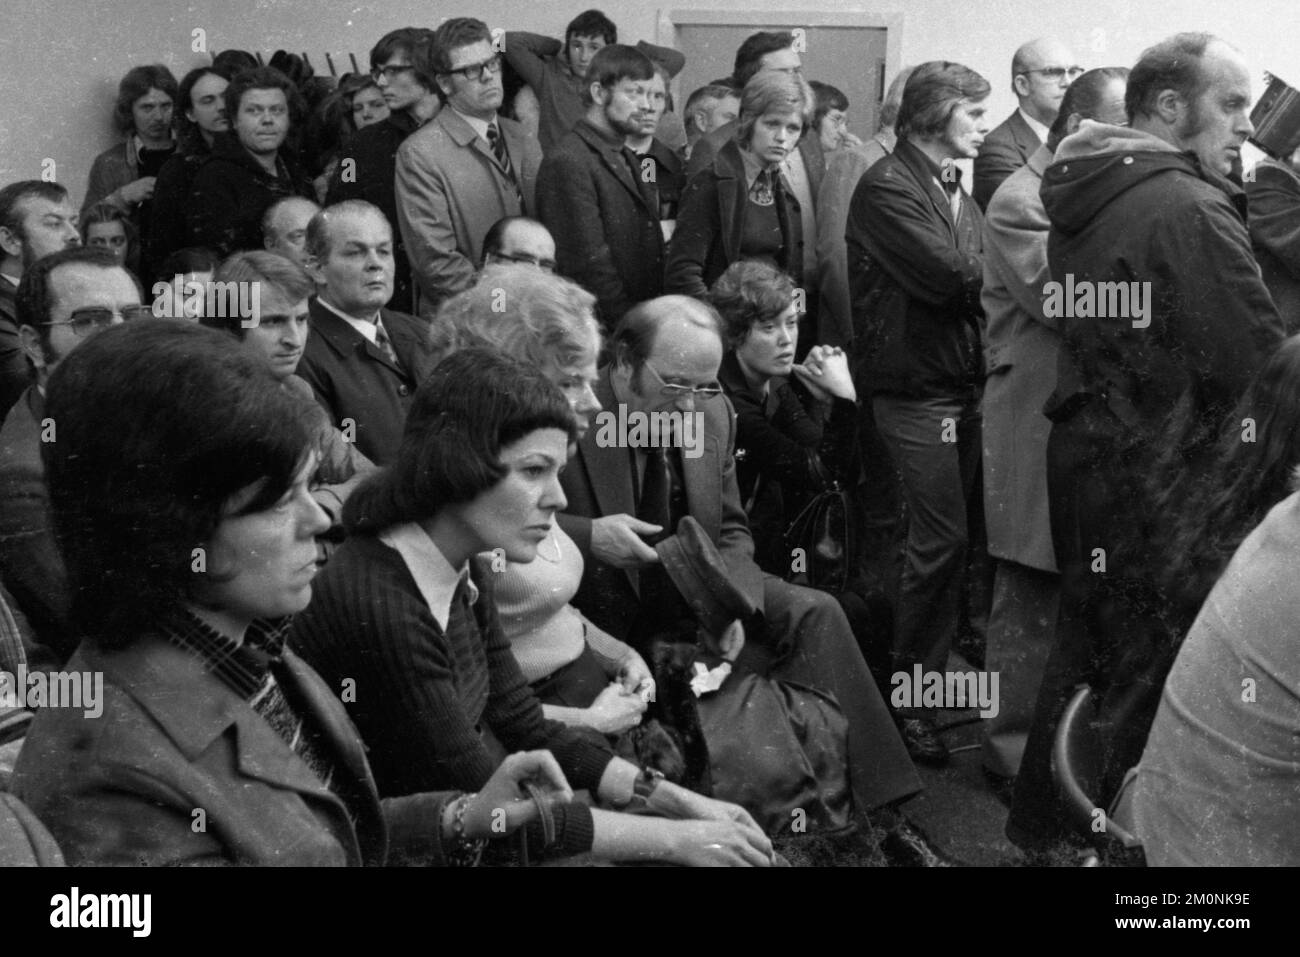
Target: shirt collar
[(949, 185), (241, 666), (367, 327), (479, 126), (752, 166), (1039, 129), (433, 574)]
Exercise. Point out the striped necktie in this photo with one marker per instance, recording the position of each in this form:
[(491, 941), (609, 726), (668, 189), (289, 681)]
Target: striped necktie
[(498, 144)]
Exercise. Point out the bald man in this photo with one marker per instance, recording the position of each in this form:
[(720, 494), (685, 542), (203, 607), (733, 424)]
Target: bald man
[(284, 227), (1041, 71), (519, 240)]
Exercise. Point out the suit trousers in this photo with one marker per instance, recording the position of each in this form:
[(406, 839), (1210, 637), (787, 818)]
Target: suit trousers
[(809, 642), (935, 443)]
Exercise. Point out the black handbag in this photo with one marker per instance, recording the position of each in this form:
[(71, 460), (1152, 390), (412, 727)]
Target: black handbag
[(820, 540)]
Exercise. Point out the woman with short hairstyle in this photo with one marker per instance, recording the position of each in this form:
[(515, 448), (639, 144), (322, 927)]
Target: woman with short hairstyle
[(407, 614), (179, 488), (738, 207)]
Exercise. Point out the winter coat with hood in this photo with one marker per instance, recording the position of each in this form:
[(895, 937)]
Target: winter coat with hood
[(1127, 207)]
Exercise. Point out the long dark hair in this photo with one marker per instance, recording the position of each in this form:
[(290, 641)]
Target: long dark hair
[(1202, 520), (159, 424), (475, 402)]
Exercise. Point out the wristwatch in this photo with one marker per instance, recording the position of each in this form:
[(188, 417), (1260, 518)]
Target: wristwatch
[(642, 787)]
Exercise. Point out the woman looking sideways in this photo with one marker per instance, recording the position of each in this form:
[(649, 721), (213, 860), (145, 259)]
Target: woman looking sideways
[(180, 494), (407, 612)]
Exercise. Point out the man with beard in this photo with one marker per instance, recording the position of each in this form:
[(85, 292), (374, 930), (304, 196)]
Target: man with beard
[(36, 219), (664, 169), (464, 170), (594, 195), (401, 65), (1146, 209)]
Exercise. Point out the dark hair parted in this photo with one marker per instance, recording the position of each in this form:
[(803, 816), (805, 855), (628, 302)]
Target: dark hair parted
[(138, 81), (828, 98), (13, 196), (591, 23), (191, 138), (933, 92), (265, 78), (415, 44), (1172, 64), (612, 65), (456, 33), (160, 424), (749, 293), (749, 56), (473, 404), (230, 62), (262, 267), (1084, 96)]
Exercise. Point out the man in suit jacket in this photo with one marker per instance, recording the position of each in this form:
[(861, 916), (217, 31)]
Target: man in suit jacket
[(462, 171), (364, 362), (663, 350), (594, 196), (1041, 71), (30, 562), (1273, 191), (402, 66), (1021, 348)]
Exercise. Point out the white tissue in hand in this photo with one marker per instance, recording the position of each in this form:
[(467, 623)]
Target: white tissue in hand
[(705, 681)]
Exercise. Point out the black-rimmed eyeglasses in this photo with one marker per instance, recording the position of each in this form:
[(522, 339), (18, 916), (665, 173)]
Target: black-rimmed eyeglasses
[(94, 318)]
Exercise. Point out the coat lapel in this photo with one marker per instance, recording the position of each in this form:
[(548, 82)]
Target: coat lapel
[(916, 164), (615, 162)]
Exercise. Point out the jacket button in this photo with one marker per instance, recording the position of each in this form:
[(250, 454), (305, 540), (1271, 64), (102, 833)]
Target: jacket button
[(403, 390)]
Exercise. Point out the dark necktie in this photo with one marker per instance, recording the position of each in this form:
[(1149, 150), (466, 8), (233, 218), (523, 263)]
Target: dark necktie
[(498, 144), (654, 506), (386, 345)]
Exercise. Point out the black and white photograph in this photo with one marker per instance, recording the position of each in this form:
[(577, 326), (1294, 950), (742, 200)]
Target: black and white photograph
[(736, 433)]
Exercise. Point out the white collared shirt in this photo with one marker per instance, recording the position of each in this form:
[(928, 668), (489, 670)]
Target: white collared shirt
[(479, 126), (367, 327), (434, 577), (1039, 129)]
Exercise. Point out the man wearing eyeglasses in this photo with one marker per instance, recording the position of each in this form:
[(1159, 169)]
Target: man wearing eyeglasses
[(64, 298), (401, 64), (666, 356), (519, 241), (464, 170), (1041, 71)]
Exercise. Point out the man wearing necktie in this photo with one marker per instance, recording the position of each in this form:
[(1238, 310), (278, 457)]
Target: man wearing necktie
[(596, 196), (463, 170), (364, 362)]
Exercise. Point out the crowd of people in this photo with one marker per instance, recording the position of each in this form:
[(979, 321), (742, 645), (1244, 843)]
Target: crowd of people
[(316, 447)]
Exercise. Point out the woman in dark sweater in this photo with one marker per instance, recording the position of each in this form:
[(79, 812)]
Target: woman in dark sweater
[(739, 207), (404, 620)]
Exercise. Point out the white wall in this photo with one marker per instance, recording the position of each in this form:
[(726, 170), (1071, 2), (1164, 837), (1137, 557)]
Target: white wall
[(60, 60)]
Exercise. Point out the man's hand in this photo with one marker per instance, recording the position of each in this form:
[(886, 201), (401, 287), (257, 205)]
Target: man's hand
[(137, 191), (676, 801), (503, 806), (634, 674), (615, 540)]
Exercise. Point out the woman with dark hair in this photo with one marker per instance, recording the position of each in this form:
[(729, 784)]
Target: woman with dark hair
[(200, 116), (179, 488), (738, 207), (356, 103), (796, 432), (407, 614)]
